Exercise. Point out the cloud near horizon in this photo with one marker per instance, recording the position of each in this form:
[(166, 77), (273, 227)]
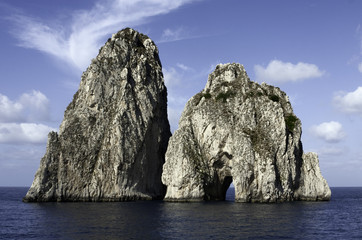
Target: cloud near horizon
[(24, 133), (329, 131), (281, 72), (77, 42), (17, 119)]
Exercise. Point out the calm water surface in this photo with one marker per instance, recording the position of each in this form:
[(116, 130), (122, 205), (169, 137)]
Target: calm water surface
[(341, 218)]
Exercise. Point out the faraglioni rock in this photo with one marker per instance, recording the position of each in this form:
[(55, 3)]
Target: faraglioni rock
[(111, 144), (239, 131)]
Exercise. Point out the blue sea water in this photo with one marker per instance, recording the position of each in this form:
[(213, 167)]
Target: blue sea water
[(340, 218)]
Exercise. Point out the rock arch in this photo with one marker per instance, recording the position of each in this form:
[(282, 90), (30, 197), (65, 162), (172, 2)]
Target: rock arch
[(238, 130)]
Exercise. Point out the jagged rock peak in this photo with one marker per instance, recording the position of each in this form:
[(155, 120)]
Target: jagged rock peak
[(113, 138), (239, 131)]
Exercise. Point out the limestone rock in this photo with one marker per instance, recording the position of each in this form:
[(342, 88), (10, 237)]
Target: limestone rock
[(113, 138), (314, 187), (236, 130)]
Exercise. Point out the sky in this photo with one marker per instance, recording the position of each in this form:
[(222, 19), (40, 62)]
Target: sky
[(311, 49)]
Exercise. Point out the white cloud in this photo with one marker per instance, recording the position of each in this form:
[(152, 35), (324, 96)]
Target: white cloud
[(350, 102), (16, 117), (329, 131), (24, 133), (278, 71), (36, 106), (29, 107), (9, 110), (77, 42)]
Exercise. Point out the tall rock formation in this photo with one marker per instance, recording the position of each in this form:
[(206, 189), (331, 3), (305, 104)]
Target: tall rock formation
[(236, 130), (113, 138)]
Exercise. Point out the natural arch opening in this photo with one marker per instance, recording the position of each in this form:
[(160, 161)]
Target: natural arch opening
[(226, 185), (230, 193), (217, 190)]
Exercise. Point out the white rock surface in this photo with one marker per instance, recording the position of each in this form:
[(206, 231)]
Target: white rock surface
[(238, 131), (113, 138)]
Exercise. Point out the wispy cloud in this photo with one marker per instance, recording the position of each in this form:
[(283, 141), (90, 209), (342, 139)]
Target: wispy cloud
[(329, 131), (183, 67), (349, 102), (358, 32), (176, 80), (332, 150), (356, 58), (360, 67), (171, 35), (173, 80), (78, 41), (278, 71), (178, 34), (171, 76)]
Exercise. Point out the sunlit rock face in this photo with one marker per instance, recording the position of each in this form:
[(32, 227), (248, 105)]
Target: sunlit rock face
[(236, 130), (113, 138)]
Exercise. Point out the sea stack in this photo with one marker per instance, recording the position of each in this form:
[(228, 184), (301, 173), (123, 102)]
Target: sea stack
[(239, 131), (111, 144)]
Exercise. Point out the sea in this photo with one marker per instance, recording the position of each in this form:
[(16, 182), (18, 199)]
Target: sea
[(340, 218)]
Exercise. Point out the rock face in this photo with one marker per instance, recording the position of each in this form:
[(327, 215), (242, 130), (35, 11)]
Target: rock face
[(112, 142), (236, 130)]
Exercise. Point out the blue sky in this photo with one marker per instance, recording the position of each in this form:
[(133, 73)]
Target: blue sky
[(312, 50)]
